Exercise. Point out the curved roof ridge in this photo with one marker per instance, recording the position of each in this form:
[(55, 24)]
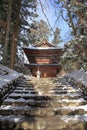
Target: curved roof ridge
[(44, 43)]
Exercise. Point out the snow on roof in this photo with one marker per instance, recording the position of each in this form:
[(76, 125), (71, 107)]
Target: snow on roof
[(35, 64), (7, 75), (43, 44), (42, 48)]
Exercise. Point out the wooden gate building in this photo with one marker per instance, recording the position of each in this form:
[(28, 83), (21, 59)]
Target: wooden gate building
[(43, 59)]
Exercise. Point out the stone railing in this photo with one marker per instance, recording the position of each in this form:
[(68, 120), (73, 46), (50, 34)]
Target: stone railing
[(79, 79), (8, 81), (8, 88)]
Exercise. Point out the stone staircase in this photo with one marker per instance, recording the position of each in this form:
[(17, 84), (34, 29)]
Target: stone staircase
[(44, 104)]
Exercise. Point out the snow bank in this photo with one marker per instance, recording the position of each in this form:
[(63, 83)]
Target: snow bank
[(79, 78), (7, 78)]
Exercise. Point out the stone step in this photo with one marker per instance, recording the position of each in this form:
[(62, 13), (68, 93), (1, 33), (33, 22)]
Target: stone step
[(43, 103), (32, 95), (64, 87), (50, 92), (65, 90), (64, 103), (76, 110), (62, 91), (43, 100), (26, 110), (76, 122), (25, 91), (47, 111), (25, 97), (25, 88), (25, 85), (65, 96)]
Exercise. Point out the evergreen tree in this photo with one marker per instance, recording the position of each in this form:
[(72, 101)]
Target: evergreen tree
[(17, 22), (8, 20), (57, 38), (75, 56), (39, 29)]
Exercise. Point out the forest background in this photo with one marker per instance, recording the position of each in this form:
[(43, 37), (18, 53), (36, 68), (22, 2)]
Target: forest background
[(21, 24)]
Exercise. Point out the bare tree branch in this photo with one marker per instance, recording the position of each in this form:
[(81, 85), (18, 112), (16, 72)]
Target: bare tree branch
[(45, 16)]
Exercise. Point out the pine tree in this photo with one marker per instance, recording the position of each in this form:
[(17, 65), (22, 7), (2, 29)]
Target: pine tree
[(5, 56), (39, 29), (57, 38), (75, 56), (15, 33), (16, 26)]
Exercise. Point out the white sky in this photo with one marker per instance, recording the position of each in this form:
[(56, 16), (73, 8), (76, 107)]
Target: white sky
[(52, 17)]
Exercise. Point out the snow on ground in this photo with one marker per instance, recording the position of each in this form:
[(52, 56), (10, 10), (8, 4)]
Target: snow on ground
[(7, 78), (67, 118), (7, 75), (79, 76)]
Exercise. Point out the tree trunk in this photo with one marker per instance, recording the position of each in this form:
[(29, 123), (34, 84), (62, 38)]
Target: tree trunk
[(5, 53), (15, 34), (71, 20)]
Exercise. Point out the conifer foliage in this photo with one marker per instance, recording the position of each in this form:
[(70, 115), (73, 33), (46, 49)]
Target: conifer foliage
[(16, 17), (19, 27), (74, 12)]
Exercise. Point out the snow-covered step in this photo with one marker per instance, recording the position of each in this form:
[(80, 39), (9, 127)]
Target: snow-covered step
[(22, 102), (71, 110), (70, 96), (36, 97), (24, 91), (64, 103), (64, 89), (43, 103), (46, 111), (24, 88), (47, 103), (26, 110), (75, 122), (74, 94)]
